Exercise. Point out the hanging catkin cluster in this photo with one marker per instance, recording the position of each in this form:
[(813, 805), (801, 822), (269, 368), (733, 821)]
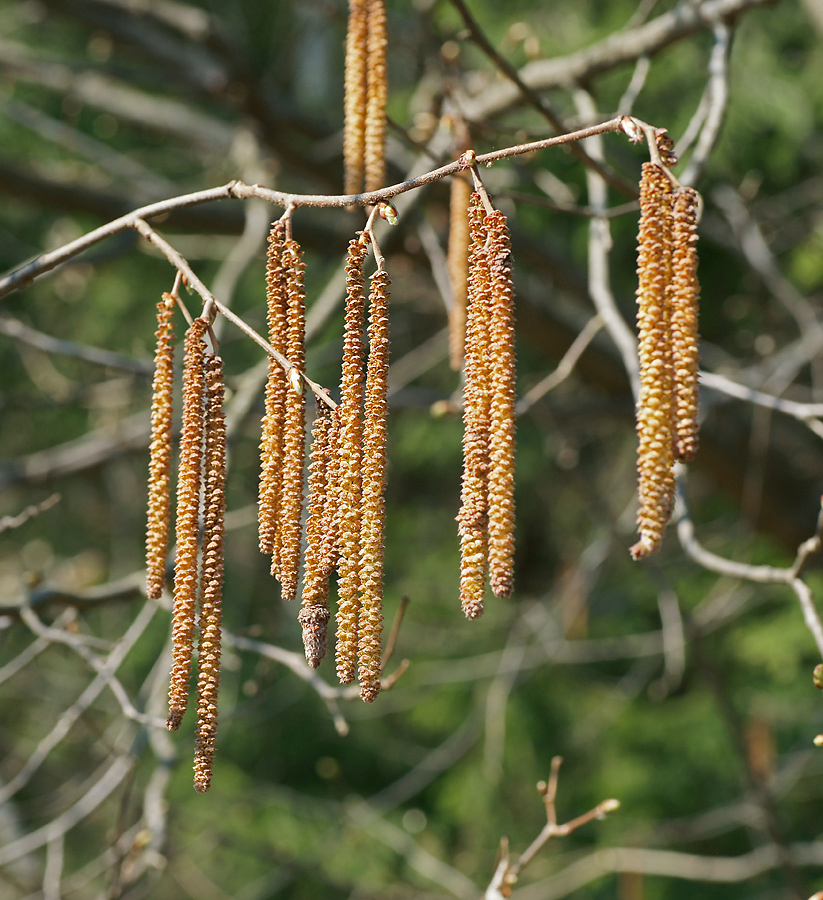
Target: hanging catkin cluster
[(282, 450), (667, 296), (202, 469), (159, 506), (366, 91), (486, 518)]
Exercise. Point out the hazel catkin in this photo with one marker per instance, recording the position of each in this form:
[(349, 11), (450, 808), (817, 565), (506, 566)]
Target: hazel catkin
[(501, 411), (685, 291), (356, 92), (458, 267), (271, 437), (159, 503), (473, 516), (376, 97), (314, 615), (373, 512), (290, 501), (655, 456), (188, 511), (349, 467), (211, 580)]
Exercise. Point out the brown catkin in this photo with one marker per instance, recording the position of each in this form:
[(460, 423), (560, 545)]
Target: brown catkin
[(350, 455), (655, 456), (329, 553), (276, 387), (290, 503), (501, 417), (373, 511), (159, 505), (458, 266), (354, 134), (376, 96), (685, 291), (188, 511), (211, 580), (314, 615), (473, 516)]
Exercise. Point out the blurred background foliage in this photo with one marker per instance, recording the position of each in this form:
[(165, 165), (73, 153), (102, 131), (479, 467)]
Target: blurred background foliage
[(110, 104)]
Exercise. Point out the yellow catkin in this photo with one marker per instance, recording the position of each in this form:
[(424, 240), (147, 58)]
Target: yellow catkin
[(373, 514), (211, 580), (272, 427), (501, 417), (354, 134), (473, 516), (329, 553), (188, 511), (159, 505), (458, 266), (350, 455), (685, 291), (655, 456), (290, 503), (376, 96), (314, 615)]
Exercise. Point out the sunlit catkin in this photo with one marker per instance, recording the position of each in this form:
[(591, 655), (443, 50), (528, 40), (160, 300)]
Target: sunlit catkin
[(290, 501), (373, 512), (159, 505), (354, 134), (272, 427), (211, 579), (501, 415), (473, 516), (458, 266), (350, 456), (314, 615), (655, 455), (376, 96), (188, 510), (685, 291)]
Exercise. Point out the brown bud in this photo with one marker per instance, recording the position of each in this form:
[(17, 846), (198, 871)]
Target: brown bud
[(159, 505)]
